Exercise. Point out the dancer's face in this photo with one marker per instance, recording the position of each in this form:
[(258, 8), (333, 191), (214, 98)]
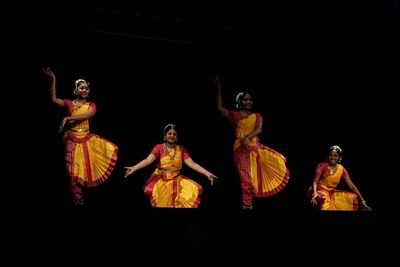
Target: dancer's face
[(82, 90), (171, 136), (247, 102), (333, 157)]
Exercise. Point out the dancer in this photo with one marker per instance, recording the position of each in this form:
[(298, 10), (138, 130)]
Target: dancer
[(167, 187), (262, 170), (89, 158), (323, 193)]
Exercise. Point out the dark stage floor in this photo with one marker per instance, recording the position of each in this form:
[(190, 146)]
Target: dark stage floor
[(202, 238)]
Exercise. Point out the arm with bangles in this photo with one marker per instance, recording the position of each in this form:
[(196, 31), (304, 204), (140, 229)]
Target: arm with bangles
[(221, 109), (200, 169), (354, 188), (54, 99), (144, 163)]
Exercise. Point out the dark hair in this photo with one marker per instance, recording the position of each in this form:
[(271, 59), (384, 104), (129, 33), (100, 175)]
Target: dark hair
[(79, 81), (239, 99), (338, 150), (169, 127)]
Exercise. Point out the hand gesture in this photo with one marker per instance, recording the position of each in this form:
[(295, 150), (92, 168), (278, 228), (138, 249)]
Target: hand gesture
[(245, 141), (211, 177), (365, 207), (216, 81), (62, 124), (49, 73), (314, 199), (129, 171)]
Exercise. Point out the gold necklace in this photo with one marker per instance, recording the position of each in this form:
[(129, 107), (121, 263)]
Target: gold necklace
[(171, 158), (331, 171), (77, 104)]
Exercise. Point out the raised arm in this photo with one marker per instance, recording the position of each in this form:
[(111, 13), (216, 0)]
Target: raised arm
[(354, 188), (144, 163), (224, 112), (199, 169), (54, 99)]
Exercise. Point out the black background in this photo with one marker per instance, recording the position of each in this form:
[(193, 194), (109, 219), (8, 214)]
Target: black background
[(320, 74)]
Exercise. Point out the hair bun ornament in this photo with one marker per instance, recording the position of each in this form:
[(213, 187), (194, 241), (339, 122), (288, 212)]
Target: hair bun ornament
[(238, 99), (336, 147), (171, 125), (77, 82)]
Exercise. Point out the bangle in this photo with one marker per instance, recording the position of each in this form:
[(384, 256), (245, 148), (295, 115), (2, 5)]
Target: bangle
[(205, 172)]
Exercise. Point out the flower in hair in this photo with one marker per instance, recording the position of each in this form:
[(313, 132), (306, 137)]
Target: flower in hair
[(79, 81), (238, 99)]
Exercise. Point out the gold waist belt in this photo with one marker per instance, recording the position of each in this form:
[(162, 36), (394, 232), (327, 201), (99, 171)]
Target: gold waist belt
[(79, 130)]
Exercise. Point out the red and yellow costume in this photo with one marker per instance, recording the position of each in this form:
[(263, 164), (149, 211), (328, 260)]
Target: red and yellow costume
[(89, 158), (330, 198), (168, 188), (262, 170)]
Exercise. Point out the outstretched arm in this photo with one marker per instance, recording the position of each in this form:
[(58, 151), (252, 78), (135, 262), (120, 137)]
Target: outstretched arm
[(50, 73), (355, 190), (199, 169), (224, 112), (144, 163)]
